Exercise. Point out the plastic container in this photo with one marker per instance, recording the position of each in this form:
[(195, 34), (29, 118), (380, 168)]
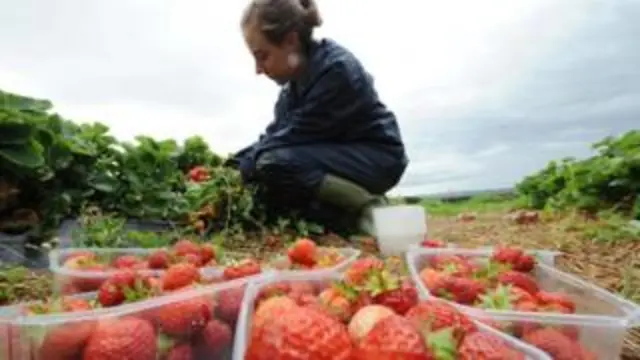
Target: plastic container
[(601, 318), (399, 227), (243, 329), (69, 281), (179, 317), (282, 264)]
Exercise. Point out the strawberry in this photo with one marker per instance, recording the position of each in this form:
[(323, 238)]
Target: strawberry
[(112, 291), (247, 267), (452, 264), (75, 305), (395, 337), (335, 303), (193, 259), (364, 319), (521, 280), (215, 338), (186, 317), (181, 352), (461, 290), (515, 257), (207, 253), (433, 243), (273, 306), (303, 252), (93, 278), (300, 333), (179, 276), (399, 299), (556, 301), (359, 270), (126, 262), (274, 289), (73, 258), (434, 315), (66, 341), (500, 298), (229, 302), (123, 338), (554, 343), (301, 288), (486, 346), (159, 259), (430, 278), (185, 246)]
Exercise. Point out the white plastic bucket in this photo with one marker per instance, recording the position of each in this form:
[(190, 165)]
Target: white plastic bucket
[(399, 227)]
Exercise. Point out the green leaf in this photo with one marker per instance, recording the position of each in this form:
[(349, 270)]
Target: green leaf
[(28, 155), (15, 133)]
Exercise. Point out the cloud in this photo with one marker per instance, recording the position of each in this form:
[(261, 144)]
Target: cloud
[(477, 86)]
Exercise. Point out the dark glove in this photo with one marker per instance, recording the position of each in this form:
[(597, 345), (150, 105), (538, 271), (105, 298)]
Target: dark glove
[(247, 167)]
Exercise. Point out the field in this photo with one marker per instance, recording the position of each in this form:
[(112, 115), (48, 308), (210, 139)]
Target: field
[(52, 169)]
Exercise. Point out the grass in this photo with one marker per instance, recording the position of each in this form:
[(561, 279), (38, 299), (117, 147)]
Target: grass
[(477, 204)]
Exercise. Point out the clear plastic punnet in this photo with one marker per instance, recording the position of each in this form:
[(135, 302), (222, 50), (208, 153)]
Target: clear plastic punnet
[(283, 265), (68, 281), (321, 280), (199, 322), (599, 323)]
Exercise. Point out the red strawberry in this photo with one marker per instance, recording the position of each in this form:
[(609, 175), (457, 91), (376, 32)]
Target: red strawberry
[(399, 300), (124, 338), (66, 341), (159, 259), (179, 276), (303, 252), (300, 333), (181, 352), (215, 338), (554, 343), (248, 267), (452, 264), (434, 315), (185, 246), (359, 270), (229, 302), (274, 289), (515, 257), (556, 301), (461, 290), (522, 280), (92, 278), (207, 253), (433, 243), (126, 262), (112, 291), (395, 337), (193, 259), (184, 318), (485, 346)]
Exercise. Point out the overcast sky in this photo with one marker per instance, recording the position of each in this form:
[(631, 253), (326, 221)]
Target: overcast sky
[(485, 91)]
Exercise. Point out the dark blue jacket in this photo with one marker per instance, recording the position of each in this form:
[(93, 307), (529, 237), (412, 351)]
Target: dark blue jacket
[(334, 101)]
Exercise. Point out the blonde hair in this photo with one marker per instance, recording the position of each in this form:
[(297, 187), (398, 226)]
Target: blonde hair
[(277, 18)]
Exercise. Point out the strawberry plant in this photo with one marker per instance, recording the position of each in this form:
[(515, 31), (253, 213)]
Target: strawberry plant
[(608, 180)]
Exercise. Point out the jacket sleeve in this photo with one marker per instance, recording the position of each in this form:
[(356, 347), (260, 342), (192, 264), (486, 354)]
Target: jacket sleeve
[(336, 92)]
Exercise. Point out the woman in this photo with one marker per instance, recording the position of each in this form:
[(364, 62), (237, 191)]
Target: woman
[(332, 141)]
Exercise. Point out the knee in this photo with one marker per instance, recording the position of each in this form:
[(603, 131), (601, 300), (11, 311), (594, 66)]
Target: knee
[(279, 167)]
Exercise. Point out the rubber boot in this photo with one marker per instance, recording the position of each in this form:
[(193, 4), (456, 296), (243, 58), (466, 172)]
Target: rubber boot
[(351, 197)]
